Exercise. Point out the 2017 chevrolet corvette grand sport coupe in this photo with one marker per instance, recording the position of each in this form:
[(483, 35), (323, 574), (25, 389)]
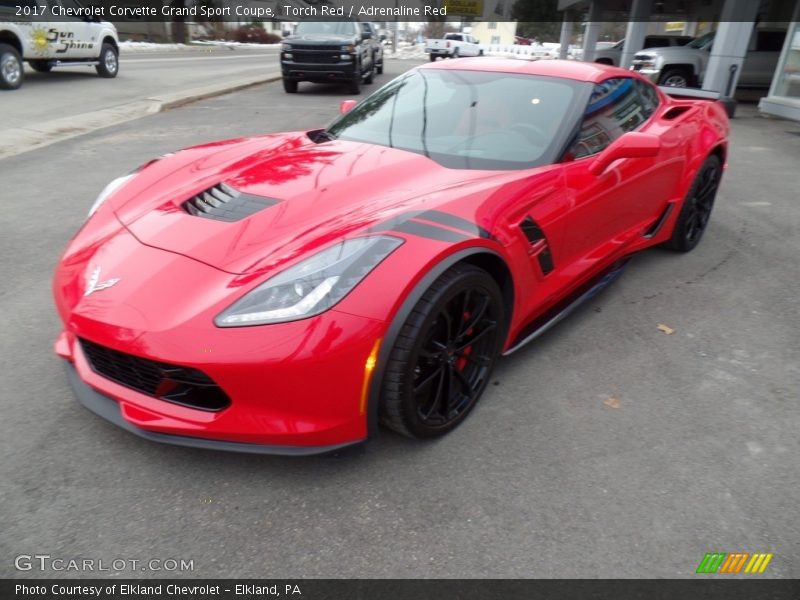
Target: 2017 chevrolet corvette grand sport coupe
[(288, 293)]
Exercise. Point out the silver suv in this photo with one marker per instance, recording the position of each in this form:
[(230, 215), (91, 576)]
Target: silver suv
[(612, 55), (685, 66)]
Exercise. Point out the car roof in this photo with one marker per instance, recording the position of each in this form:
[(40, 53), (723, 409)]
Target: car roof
[(566, 69)]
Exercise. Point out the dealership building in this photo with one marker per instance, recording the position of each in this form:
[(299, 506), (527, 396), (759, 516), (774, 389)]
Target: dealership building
[(735, 23)]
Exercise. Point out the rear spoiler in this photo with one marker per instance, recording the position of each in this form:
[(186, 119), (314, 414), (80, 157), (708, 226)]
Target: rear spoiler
[(695, 94)]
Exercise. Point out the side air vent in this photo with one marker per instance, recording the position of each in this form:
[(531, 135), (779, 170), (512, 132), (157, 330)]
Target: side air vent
[(538, 242), (674, 112), (223, 203)]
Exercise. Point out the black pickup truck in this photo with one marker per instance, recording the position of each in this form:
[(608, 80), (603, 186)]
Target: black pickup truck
[(331, 51)]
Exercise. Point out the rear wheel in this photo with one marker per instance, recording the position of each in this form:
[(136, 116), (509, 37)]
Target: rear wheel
[(109, 62), (433, 58), (696, 209), (290, 86), (444, 354), (43, 66), (380, 67), (11, 71), (675, 78)]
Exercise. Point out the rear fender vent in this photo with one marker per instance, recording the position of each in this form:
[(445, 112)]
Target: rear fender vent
[(674, 112), (223, 203), (538, 242)]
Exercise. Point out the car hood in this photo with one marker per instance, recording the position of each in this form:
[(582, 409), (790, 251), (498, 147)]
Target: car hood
[(312, 194), (669, 52)]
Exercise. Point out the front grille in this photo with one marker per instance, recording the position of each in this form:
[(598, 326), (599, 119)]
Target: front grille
[(172, 383), (315, 58), (223, 203), (313, 48)]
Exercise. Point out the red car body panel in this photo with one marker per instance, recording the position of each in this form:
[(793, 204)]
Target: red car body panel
[(305, 384)]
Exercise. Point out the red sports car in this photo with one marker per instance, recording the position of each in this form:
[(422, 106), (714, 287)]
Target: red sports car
[(287, 293)]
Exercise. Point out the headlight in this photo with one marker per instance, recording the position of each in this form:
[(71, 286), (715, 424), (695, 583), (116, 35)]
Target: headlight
[(110, 189), (350, 48), (286, 47), (311, 286)]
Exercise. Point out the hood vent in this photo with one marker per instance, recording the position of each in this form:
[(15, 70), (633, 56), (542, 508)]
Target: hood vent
[(223, 203)]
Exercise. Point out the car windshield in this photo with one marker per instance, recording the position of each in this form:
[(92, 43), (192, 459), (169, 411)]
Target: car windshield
[(469, 119), (324, 27), (702, 41)]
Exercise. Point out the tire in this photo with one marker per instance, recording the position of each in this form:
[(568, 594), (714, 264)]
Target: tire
[(604, 61), (433, 57), (43, 66), (696, 210), (443, 357), (675, 78), (371, 75), (379, 69), (108, 66), (480, 52), (11, 70), (455, 53), (355, 86), (290, 86)]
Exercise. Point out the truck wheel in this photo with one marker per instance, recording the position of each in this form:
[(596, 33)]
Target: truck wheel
[(674, 78), (355, 86), (433, 58), (11, 71), (371, 75), (43, 66), (109, 62), (290, 86), (455, 53), (379, 70)]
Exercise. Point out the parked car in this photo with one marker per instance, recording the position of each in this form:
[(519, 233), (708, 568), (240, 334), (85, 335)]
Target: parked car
[(26, 35), (612, 54), (686, 66), (329, 52), (453, 45), (286, 293)]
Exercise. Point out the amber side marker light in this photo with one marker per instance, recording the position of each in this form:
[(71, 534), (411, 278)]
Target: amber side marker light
[(369, 367)]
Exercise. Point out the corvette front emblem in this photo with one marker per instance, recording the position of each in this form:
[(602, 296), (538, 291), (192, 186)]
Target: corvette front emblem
[(92, 284)]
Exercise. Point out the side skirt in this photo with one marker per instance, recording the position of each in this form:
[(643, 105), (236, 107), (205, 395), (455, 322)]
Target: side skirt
[(564, 308)]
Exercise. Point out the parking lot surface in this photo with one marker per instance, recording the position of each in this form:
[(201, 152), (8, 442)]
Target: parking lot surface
[(608, 448)]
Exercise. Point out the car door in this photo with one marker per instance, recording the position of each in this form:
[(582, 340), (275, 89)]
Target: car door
[(73, 37), (761, 59), (616, 207)]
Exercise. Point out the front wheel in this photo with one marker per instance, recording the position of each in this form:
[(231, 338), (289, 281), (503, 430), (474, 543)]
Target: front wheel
[(290, 86), (379, 70), (444, 354), (371, 74), (675, 78), (11, 71), (433, 58), (355, 85), (696, 210), (109, 62)]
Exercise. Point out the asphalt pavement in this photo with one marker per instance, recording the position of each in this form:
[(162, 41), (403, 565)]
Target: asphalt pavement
[(608, 448)]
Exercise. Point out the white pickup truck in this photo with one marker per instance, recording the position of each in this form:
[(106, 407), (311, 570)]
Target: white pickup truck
[(453, 45), (53, 33)]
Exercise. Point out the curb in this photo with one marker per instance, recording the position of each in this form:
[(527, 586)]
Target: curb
[(24, 139)]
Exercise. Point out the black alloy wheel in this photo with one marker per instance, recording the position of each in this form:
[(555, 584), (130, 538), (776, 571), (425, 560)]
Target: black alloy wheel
[(696, 210), (444, 355)]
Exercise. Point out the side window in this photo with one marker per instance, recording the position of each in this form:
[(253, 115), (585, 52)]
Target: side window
[(648, 97), (770, 41), (614, 108)]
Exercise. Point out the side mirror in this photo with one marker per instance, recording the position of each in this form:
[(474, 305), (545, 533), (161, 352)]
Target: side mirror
[(630, 145), (346, 105)]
